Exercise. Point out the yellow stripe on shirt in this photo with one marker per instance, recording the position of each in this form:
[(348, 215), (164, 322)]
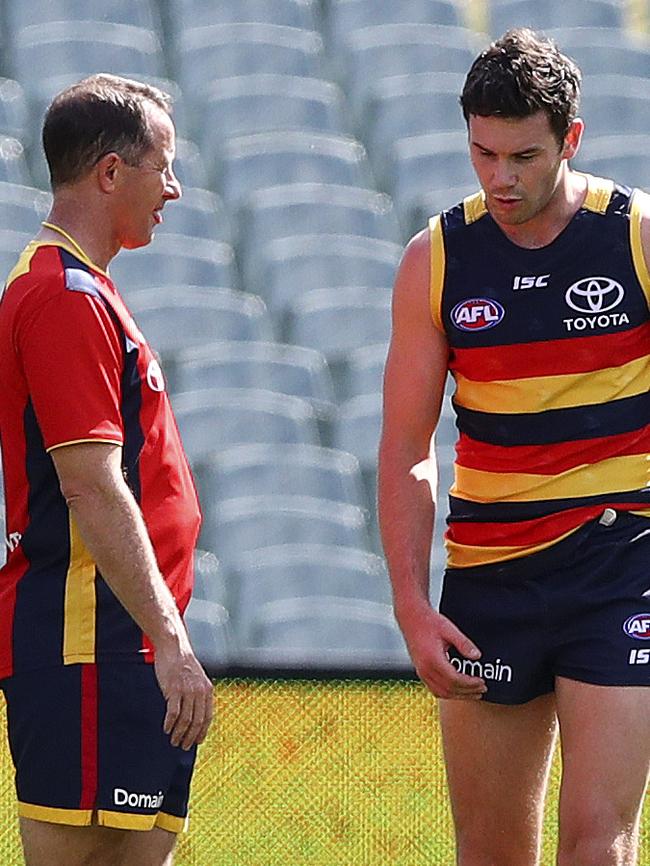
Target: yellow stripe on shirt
[(468, 555), (541, 393), (614, 475), (80, 603)]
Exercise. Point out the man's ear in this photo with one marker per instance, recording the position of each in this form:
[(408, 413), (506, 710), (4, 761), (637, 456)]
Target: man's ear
[(108, 170), (573, 138)]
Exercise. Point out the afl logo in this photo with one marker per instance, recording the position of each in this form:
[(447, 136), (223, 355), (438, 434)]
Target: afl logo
[(477, 314), (638, 626), (594, 295), (155, 378)]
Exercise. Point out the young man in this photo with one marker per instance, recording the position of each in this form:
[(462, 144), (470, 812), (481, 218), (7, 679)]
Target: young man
[(534, 295), (106, 700)]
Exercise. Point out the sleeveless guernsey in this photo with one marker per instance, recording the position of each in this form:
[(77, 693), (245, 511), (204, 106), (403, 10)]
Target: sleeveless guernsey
[(550, 353)]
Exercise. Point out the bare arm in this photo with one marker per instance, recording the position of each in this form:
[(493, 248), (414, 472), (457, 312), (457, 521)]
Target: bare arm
[(414, 380), (113, 530)]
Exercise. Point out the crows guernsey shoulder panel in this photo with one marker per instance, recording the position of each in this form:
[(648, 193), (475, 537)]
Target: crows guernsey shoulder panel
[(549, 349)]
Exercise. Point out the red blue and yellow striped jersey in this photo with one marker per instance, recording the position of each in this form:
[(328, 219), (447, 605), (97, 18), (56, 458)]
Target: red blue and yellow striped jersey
[(73, 368), (550, 353)]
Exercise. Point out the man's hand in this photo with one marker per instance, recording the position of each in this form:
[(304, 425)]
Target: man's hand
[(428, 636), (189, 696)]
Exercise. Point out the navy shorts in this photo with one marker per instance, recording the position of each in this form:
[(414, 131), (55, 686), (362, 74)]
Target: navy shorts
[(579, 609), (88, 745)]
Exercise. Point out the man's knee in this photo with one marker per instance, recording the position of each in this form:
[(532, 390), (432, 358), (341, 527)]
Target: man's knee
[(481, 846), (598, 840)]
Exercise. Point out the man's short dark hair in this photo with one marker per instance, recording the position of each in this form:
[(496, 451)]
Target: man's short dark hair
[(101, 114), (520, 74)]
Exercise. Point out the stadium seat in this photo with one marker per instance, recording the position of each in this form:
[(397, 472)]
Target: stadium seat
[(208, 624), (217, 418), (327, 632), (284, 571), (209, 579), (263, 469), (427, 163), (262, 160), (604, 49), (311, 209), (616, 103), (365, 370), (143, 13), (505, 14), (434, 201), (12, 244), (374, 53), (174, 318), (199, 213), (250, 522), (216, 51), (346, 17), (176, 260), (13, 164), (293, 370), (337, 321), (246, 104), (290, 13), (294, 266), (405, 105), (189, 165), (357, 428), (22, 208), (14, 111), (82, 48), (623, 158)]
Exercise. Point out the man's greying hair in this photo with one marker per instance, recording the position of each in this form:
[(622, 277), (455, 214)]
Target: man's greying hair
[(520, 74), (101, 114)]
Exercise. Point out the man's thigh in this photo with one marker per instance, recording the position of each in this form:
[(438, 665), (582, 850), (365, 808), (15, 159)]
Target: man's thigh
[(605, 736), (497, 760)]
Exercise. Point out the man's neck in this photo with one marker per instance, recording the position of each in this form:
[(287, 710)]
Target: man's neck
[(88, 230), (568, 197)]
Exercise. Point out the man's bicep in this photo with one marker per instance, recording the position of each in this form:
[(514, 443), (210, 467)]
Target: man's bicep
[(72, 358)]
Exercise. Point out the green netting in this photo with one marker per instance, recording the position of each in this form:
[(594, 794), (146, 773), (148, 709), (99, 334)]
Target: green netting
[(311, 773)]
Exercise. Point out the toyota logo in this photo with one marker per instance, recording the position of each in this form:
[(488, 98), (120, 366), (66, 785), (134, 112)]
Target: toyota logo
[(594, 295)]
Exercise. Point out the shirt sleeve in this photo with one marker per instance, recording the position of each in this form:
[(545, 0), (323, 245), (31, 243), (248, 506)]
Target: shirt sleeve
[(71, 352)]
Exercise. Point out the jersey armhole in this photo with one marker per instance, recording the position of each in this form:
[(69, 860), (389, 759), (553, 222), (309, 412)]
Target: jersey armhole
[(437, 270), (639, 199)]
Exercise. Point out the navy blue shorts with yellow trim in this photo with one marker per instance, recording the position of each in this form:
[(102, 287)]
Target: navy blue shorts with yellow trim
[(88, 745), (579, 609)]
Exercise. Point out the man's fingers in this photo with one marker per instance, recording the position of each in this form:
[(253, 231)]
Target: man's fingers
[(461, 642), (183, 720), (173, 709)]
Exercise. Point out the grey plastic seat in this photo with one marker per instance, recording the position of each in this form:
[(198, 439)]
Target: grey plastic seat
[(210, 420), (338, 321), (291, 13), (12, 243), (22, 208), (264, 469), (173, 318), (433, 161), (603, 49), (358, 426), (82, 48), (262, 160), (347, 16), (405, 105), (623, 158), (13, 164), (365, 370), (284, 571), (212, 52), (251, 522), (189, 165), (176, 260), (327, 632), (378, 52), (208, 624), (14, 111), (142, 13), (288, 369), (311, 209), (247, 104), (209, 578), (505, 14), (296, 265), (434, 201), (199, 213), (613, 103)]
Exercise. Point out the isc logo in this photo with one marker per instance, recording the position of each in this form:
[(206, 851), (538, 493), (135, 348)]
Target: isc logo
[(540, 282), (638, 626), (477, 314), (639, 657)]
